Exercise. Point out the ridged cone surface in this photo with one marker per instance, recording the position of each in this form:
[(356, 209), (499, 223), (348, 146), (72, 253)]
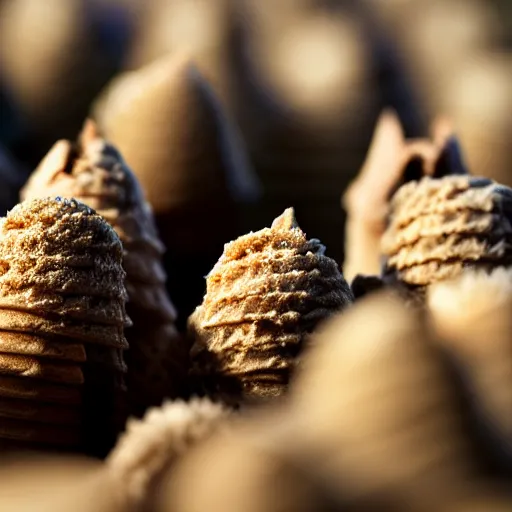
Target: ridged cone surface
[(62, 315), (438, 227), (98, 176), (264, 296)]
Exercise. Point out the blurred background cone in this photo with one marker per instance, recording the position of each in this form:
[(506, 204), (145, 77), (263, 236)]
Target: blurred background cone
[(167, 123)]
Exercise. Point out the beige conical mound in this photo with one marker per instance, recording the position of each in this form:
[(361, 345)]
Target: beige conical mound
[(267, 292), (95, 173), (376, 400)]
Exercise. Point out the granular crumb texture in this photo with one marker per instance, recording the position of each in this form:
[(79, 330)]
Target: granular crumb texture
[(439, 227), (62, 315), (95, 173), (265, 295)]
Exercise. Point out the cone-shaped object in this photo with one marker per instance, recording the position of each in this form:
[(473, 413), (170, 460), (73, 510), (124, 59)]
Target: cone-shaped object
[(62, 315), (167, 124), (267, 292), (362, 400), (96, 174), (391, 161)]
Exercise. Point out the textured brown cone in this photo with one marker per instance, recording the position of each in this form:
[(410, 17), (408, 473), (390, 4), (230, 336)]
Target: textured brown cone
[(171, 130), (34, 345), (96, 174), (247, 336)]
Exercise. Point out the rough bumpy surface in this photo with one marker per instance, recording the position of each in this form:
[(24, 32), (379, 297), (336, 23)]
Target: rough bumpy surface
[(438, 227), (96, 174), (62, 315), (266, 293)]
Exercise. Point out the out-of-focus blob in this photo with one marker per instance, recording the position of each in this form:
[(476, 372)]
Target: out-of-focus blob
[(376, 402), (151, 446), (249, 468), (55, 484), (167, 123), (309, 83), (440, 226), (421, 26), (267, 292), (472, 314), (203, 28), (479, 100), (55, 57)]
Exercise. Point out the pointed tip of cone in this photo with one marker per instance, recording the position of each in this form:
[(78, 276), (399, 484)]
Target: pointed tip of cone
[(89, 133), (442, 130), (387, 141), (286, 220)]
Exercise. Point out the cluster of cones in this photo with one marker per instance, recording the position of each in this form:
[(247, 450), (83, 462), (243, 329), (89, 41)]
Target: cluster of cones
[(96, 175), (265, 295), (62, 316)]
